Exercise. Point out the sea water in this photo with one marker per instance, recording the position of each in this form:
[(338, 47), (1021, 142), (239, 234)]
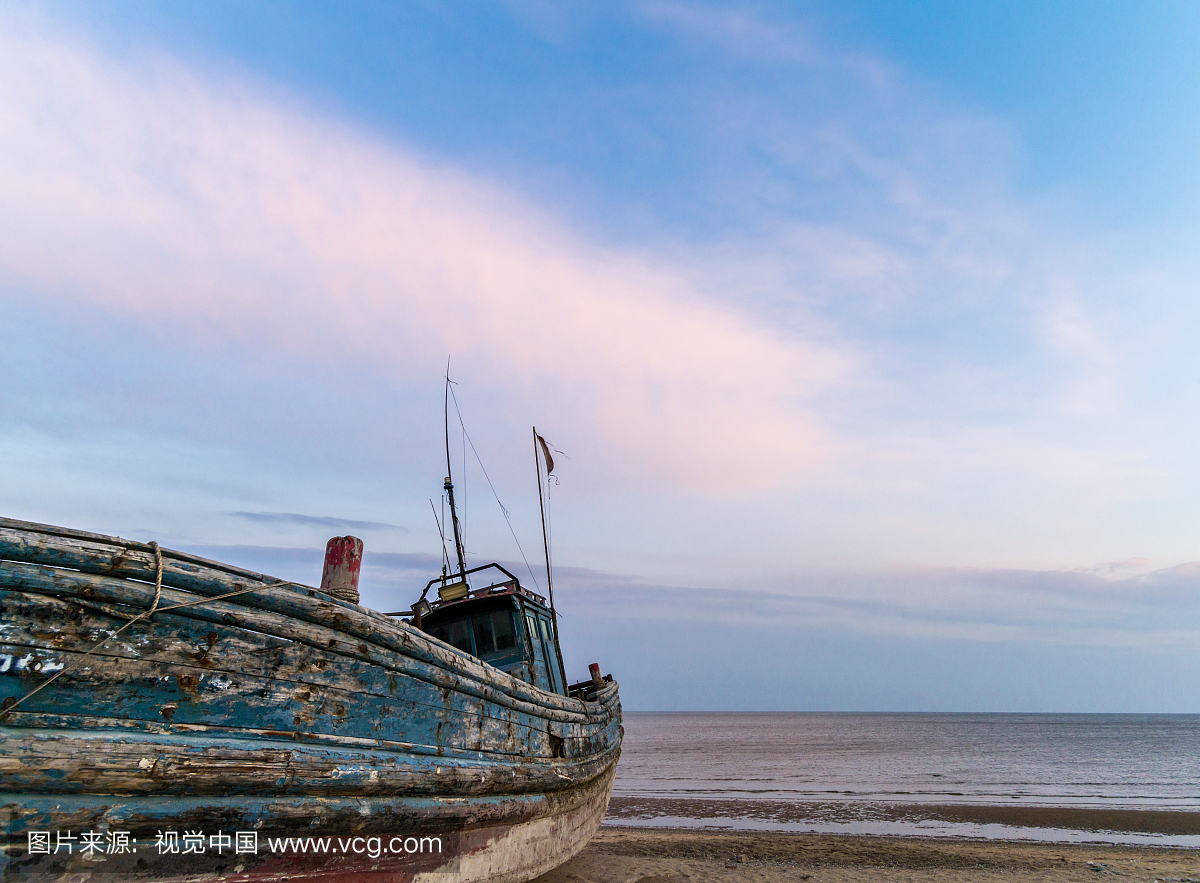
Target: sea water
[(874, 773)]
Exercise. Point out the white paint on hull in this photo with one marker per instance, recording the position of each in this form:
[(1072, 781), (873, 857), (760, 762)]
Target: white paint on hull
[(520, 852)]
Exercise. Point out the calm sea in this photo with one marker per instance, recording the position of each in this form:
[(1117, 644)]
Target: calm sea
[(929, 774)]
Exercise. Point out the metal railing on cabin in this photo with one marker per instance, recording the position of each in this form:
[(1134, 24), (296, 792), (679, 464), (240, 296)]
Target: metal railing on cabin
[(452, 581)]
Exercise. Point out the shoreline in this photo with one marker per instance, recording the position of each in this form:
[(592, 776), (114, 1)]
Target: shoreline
[(620, 854), (1167, 827)]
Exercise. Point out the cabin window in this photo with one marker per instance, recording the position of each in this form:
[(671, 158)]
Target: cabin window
[(493, 632), (486, 635), (483, 635), (502, 628), (456, 633)]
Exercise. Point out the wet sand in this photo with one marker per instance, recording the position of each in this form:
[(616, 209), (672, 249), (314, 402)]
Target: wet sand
[(644, 811), (655, 855)]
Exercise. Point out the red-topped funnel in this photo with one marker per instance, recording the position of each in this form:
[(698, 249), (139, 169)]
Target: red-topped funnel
[(343, 561)]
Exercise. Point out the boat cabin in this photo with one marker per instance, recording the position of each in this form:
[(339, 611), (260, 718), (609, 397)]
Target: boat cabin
[(503, 624)]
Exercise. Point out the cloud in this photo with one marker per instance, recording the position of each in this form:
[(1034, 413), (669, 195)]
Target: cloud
[(1111, 568), (738, 30), (313, 521), (389, 580), (865, 346), (209, 211), (989, 605)]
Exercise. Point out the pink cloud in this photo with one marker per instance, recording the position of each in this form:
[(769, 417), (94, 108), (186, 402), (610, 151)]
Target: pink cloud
[(208, 210)]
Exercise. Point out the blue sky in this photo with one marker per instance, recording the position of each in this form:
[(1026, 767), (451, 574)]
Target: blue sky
[(868, 328)]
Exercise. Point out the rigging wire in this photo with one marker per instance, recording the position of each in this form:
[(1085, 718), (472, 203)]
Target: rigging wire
[(507, 517), (441, 533)]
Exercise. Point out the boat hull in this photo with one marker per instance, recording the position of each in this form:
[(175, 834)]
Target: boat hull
[(507, 839), (281, 713)]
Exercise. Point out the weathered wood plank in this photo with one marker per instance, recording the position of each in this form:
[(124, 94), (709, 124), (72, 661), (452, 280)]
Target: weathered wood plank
[(256, 665), (74, 762), (41, 544), (91, 713), (312, 814), (51, 581), (499, 842), (170, 678), (150, 691)]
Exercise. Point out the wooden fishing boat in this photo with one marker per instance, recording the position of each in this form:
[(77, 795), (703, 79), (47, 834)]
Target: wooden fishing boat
[(163, 716)]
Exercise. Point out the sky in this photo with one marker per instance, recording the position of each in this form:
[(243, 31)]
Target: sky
[(867, 330)]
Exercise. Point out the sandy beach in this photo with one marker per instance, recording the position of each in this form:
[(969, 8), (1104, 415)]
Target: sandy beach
[(628, 855)]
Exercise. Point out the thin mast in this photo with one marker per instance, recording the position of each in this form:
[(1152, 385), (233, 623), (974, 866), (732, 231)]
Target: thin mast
[(449, 487), (546, 543)]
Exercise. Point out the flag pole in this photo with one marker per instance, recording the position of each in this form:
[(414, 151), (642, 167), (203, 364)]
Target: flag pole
[(546, 544), (448, 486)]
